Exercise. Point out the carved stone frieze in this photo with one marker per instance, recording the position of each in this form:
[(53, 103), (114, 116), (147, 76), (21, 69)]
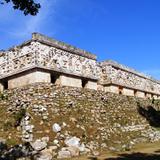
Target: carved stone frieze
[(37, 54)]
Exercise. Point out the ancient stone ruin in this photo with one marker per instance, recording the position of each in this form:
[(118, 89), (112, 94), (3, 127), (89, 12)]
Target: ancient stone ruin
[(43, 59), (45, 112)]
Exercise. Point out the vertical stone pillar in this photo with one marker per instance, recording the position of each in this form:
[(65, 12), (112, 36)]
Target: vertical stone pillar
[(140, 94), (1, 87), (112, 89), (91, 85), (70, 81), (128, 92), (29, 78)]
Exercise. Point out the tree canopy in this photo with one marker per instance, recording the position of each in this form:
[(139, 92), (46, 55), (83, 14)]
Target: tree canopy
[(27, 6)]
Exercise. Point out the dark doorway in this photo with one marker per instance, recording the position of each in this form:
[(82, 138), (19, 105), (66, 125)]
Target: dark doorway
[(135, 92), (54, 78), (84, 83), (5, 84), (120, 90)]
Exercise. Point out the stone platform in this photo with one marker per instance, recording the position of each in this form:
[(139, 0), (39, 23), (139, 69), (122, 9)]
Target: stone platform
[(43, 59)]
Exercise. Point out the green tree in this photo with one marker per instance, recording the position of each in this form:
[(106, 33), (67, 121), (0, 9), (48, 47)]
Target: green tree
[(27, 6)]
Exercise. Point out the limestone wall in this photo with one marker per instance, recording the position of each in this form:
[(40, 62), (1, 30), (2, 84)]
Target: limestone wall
[(38, 53), (18, 63), (17, 60), (1, 87), (65, 62), (111, 88), (128, 92), (91, 85), (75, 67), (113, 73), (70, 81), (29, 78)]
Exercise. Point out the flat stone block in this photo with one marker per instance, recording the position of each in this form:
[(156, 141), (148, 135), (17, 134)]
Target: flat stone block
[(148, 95), (91, 85), (128, 92), (1, 87), (70, 81), (140, 94), (113, 89), (100, 87), (29, 78)]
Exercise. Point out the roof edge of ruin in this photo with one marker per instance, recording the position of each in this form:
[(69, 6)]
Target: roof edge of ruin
[(54, 43), (128, 69), (61, 45)]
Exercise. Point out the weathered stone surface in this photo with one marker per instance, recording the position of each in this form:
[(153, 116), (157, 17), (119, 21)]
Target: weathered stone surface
[(27, 129), (46, 56), (45, 139), (1, 87), (74, 151), (30, 77), (120, 75), (39, 145), (44, 155), (90, 121), (64, 154), (56, 127), (72, 142), (43, 59)]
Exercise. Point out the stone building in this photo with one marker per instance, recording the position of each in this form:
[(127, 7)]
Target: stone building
[(120, 79), (43, 59)]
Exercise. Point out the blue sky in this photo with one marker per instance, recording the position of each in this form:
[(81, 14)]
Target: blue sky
[(127, 31)]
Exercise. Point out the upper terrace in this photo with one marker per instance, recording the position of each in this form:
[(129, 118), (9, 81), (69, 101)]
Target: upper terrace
[(43, 59), (46, 53)]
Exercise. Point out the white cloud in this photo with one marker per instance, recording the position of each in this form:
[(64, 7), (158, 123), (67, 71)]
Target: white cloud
[(18, 26), (36, 23)]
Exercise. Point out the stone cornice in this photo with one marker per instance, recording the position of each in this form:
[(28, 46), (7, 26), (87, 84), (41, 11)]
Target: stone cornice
[(61, 45), (54, 43), (130, 87), (127, 69), (47, 69)]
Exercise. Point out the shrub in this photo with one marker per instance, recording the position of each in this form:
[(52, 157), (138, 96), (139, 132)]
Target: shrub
[(19, 116)]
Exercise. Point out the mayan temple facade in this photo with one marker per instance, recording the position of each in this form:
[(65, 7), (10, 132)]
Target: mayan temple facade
[(43, 59)]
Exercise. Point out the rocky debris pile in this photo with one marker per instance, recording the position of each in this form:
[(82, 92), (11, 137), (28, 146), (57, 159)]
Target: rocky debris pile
[(73, 148), (40, 150), (67, 122), (27, 129), (41, 110), (15, 152)]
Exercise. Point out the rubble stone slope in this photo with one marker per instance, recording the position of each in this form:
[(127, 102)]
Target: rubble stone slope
[(57, 115)]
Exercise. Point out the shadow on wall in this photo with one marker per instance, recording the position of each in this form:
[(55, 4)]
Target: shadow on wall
[(136, 156), (151, 115), (13, 153)]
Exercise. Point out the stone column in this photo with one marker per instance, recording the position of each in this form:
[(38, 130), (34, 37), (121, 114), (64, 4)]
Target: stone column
[(128, 92), (91, 85), (70, 81), (29, 78), (1, 87), (140, 94), (112, 89)]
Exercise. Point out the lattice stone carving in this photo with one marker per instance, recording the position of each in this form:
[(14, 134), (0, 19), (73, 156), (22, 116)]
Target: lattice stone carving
[(40, 55), (58, 59), (112, 74)]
